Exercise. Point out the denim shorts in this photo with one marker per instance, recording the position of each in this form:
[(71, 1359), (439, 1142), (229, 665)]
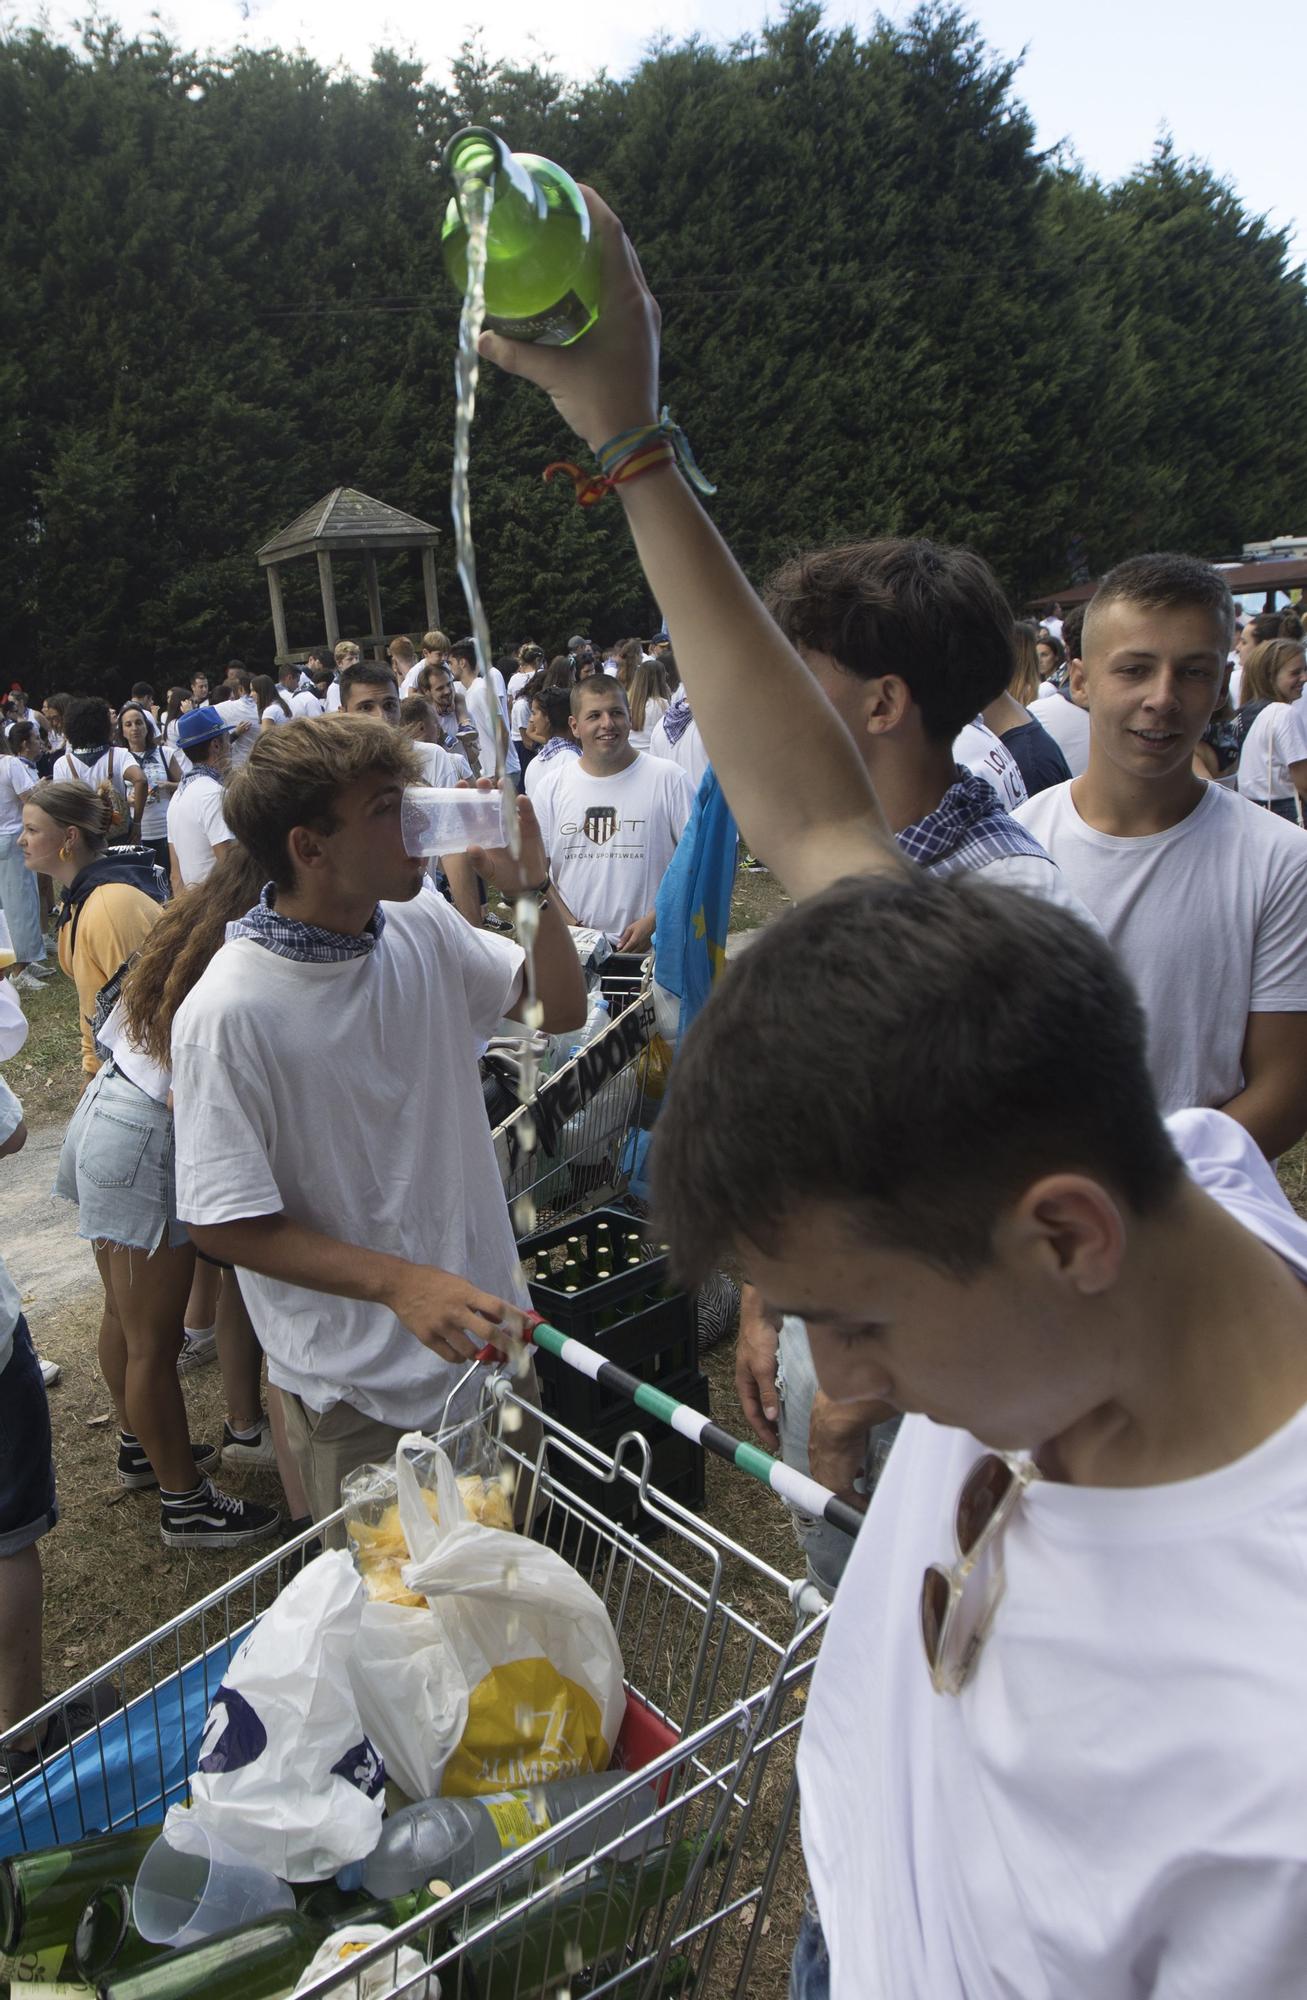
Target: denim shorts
[(118, 1165), (810, 1966), (28, 1508)]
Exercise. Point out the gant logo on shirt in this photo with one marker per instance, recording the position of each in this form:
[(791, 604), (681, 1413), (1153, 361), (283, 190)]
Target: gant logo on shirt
[(601, 824)]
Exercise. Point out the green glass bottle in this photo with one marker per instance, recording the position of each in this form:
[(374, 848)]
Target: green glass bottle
[(542, 261), (107, 1943), (105, 1937), (258, 1963), (42, 1895), (539, 1950)]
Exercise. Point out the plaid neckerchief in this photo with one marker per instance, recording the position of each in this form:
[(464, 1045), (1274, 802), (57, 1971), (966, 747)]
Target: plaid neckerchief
[(679, 716), (198, 771), (968, 827), (307, 943), (552, 748)]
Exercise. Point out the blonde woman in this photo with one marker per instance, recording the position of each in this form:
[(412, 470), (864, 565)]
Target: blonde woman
[(1273, 720), (646, 701)]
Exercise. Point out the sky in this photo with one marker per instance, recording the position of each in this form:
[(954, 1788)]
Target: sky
[(1105, 79)]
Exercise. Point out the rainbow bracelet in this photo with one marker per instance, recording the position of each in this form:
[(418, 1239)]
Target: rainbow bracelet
[(631, 454)]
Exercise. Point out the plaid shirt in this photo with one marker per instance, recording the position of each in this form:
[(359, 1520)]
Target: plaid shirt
[(969, 827), (308, 943)]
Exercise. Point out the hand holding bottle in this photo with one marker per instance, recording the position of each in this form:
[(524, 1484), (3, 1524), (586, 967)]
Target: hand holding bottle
[(607, 382)]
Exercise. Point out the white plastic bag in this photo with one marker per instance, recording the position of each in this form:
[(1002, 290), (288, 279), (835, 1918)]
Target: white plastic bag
[(287, 1773), (390, 1974), (525, 1647)]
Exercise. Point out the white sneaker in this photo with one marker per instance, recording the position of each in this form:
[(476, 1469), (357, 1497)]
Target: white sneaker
[(50, 1372), (23, 982), (198, 1350), (259, 1452)]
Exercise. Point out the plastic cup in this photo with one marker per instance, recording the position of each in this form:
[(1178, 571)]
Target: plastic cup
[(440, 819), (191, 1885)]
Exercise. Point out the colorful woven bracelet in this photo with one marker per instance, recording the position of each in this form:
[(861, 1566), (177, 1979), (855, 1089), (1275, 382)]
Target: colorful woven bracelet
[(591, 490), (628, 455)]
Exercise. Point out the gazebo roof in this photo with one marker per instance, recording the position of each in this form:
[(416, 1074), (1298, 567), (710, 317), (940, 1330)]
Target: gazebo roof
[(348, 522)]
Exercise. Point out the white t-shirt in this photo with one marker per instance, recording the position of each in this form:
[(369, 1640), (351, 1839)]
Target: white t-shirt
[(439, 766), (520, 713), (1277, 737), (303, 702), (243, 709), (654, 711), (541, 772), (688, 751), (517, 681), (609, 840), (1209, 919), (195, 827), (982, 751), (16, 780), (372, 1129), (135, 1065), (410, 679), (118, 766), (478, 700), (333, 697), (1113, 1806), (155, 767), (1068, 726)]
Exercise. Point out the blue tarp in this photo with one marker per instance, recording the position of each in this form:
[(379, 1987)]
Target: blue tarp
[(128, 1772)]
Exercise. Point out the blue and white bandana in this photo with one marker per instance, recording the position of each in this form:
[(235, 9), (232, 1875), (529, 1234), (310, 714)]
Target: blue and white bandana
[(968, 827), (307, 943), (553, 746), (678, 717), (199, 771)]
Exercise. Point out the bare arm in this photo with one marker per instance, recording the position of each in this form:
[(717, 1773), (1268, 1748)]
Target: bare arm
[(787, 765), (442, 1310), (174, 872), (1272, 1105), (560, 982), (462, 879), (15, 1142)]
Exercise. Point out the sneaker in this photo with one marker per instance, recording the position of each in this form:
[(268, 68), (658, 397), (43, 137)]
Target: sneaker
[(208, 1519), (40, 968), (71, 1721), (50, 1371), (25, 983), (136, 1472), (257, 1451), (198, 1350), (753, 866)]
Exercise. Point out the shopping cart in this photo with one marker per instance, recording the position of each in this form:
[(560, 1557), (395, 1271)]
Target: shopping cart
[(718, 1649), (586, 1121)]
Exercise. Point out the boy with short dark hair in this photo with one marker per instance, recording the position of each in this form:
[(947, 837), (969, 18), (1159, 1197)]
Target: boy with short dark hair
[(1203, 895)]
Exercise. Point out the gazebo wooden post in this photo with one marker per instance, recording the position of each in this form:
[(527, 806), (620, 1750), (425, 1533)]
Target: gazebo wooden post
[(429, 588), (374, 606), (278, 610), (327, 583)]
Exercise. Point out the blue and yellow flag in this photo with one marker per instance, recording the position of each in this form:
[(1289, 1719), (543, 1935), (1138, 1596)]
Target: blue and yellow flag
[(693, 908)]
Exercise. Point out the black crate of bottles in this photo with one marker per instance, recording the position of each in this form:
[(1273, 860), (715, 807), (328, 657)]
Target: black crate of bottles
[(602, 1280), (676, 1467)]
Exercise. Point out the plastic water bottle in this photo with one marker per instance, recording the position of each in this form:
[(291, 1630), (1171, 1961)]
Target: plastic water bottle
[(596, 1021), (455, 1839)]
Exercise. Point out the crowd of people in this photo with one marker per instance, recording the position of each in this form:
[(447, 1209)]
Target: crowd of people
[(988, 1121)]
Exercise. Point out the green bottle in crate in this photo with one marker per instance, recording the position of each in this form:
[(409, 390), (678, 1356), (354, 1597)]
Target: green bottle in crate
[(42, 1895)]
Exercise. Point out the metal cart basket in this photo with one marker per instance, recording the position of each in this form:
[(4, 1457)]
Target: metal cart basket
[(585, 1118), (718, 1650)]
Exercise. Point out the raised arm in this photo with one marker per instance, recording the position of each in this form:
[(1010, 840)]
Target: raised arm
[(786, 763)]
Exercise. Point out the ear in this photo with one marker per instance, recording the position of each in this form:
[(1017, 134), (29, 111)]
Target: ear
[(306, 848), (1073, 1229), (886, 701), (571, 723), (1078, 681)]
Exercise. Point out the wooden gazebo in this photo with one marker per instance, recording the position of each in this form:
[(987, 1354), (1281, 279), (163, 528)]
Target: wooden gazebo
[(348, 523)]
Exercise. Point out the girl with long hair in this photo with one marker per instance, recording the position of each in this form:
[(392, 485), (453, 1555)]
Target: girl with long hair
[(1273, 722), (138, 734)]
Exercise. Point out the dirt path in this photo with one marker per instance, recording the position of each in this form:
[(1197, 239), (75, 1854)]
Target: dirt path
[(47, 1260)]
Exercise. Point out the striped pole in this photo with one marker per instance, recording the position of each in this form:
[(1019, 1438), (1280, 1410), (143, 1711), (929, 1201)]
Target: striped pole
[(795, 1487)]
